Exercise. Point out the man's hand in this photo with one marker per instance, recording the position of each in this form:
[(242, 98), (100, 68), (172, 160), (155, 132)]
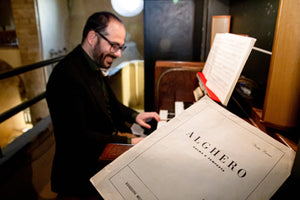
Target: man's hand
[(136, 140), (142, 117)]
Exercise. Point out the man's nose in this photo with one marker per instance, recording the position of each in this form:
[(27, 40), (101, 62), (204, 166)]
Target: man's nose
[(118, 53)]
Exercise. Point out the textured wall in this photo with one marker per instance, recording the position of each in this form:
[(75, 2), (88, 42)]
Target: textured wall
[(27, 29), (172, 32)]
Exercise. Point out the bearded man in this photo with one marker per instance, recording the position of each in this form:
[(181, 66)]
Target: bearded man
[(85, 113)]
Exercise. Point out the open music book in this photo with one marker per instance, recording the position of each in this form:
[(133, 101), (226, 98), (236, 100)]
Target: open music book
[(205, 152), (224, 65)]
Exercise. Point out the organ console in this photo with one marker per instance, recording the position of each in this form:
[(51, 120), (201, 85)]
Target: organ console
[(174, 85)]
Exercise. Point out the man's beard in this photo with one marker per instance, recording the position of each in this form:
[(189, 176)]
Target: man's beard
[(99, 56)]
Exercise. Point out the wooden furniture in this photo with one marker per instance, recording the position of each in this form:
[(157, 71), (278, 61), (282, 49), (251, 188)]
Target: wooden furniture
[(175, 81), (281, 105), (112, 151)]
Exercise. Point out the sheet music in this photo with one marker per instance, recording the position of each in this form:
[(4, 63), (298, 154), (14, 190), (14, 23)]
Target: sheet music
[(225, 62), (204, 153)]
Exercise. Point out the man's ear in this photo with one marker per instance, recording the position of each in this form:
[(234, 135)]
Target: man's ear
[(92, 38)]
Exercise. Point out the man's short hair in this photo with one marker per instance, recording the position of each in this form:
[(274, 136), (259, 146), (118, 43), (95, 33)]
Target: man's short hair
[(98, 22)]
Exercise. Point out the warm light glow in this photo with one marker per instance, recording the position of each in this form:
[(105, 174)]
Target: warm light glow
[(128, 8)]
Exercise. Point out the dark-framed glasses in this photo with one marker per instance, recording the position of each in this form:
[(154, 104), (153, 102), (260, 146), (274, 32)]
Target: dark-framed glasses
[(114, 47)]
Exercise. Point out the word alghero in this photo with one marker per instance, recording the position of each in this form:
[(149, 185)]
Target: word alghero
[(215, 155)]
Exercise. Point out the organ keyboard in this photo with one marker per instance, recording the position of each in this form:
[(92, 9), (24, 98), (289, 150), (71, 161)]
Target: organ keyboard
[(166, 115)]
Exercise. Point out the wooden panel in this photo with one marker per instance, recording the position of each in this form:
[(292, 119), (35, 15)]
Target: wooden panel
[(220, 24), (281, 105), (175, 81)]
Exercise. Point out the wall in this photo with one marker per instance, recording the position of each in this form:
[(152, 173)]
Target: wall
[(53, 20), (11, 56), (10, 96), (27, 29)]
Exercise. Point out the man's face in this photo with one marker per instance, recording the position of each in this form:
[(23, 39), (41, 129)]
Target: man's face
[(101, 52)]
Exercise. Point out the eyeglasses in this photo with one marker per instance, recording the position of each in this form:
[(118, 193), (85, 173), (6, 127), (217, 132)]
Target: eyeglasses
[(114, 47)]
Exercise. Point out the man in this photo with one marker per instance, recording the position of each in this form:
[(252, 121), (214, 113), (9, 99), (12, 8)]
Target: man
[(85, 113)]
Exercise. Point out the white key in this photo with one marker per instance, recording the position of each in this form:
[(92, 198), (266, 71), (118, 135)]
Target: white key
[(179, 107), (163, 114)]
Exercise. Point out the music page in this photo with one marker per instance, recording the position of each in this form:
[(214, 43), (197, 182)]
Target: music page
[(204, 153), (225, 63)]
